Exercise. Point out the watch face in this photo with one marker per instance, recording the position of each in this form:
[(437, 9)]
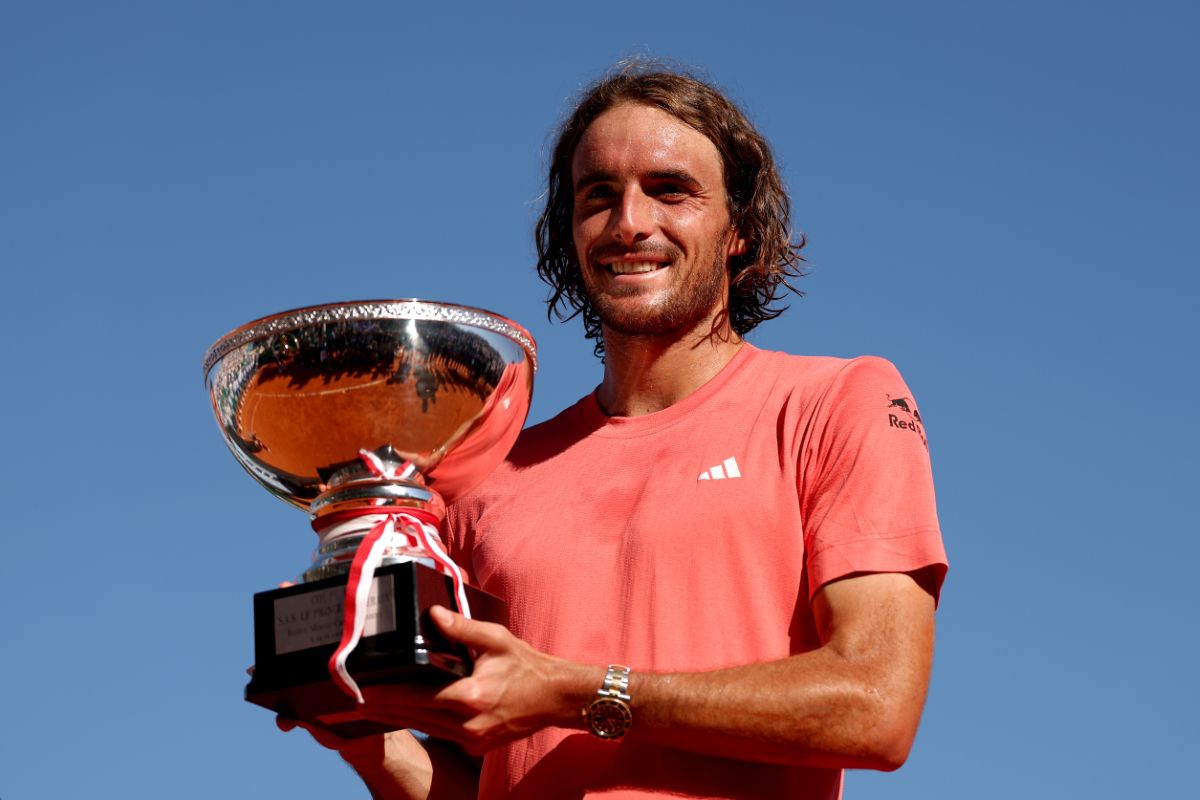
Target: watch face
[(609, 718)]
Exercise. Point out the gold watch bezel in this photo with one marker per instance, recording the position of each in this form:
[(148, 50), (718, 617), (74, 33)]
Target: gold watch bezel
[(609, 717)]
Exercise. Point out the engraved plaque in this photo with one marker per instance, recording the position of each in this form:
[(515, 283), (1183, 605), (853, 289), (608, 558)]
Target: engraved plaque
[(315, 619)]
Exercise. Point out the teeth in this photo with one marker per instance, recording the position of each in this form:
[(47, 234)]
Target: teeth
[(631, 267)]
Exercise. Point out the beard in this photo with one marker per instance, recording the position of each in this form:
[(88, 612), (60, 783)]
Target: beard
[(685, 305)]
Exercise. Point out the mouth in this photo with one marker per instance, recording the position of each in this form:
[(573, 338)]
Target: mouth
[(635, 267)]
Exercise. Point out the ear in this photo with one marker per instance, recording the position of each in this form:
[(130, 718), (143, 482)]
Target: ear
[(737, 244)]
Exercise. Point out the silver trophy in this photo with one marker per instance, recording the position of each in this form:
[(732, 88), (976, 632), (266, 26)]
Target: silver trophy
[(370, 416)]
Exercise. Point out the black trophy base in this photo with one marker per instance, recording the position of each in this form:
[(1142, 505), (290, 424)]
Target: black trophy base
[(297, 629)]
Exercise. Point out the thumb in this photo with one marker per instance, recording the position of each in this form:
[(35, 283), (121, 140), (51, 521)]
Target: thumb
[(482, 636)]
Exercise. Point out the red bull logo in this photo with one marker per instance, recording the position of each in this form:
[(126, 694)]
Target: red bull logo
[(913, 421)]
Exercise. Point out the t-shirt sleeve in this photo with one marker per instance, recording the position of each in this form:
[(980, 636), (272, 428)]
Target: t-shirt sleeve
[(866, 487)]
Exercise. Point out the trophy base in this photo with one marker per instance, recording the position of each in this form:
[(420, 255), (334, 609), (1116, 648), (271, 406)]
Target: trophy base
[(297, 629)]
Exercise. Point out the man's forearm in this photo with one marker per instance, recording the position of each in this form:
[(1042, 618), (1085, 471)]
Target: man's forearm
[(814, 709), (396, 766), (855, 702)]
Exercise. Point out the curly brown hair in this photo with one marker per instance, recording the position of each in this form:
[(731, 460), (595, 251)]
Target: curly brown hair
[(758, 203)]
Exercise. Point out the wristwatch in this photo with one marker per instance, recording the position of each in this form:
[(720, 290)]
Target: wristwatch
[(609, 716)]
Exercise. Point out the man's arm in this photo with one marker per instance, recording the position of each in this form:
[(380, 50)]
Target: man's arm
[(853, 702), (396, 766)]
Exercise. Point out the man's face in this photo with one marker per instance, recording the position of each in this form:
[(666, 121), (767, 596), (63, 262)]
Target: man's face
[(651, 222)]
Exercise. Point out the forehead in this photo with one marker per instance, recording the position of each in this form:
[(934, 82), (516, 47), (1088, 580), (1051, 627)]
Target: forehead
[(632, 139)]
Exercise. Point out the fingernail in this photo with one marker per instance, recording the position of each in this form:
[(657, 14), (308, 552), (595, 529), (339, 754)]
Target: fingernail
[(439, 614)]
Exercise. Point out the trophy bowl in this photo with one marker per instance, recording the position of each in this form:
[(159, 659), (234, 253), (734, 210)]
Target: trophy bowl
[(368, 414)]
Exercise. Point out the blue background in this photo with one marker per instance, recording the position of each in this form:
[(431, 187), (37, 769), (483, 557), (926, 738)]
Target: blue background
[(1000, 197)]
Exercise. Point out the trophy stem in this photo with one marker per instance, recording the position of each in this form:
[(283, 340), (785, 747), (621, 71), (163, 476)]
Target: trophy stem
[(363, 495), (342, 519)]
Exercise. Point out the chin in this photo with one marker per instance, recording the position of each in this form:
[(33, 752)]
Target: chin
[(661, 322)]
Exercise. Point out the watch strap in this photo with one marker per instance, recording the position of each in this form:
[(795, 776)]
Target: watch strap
[(616, 683), (610, 716)]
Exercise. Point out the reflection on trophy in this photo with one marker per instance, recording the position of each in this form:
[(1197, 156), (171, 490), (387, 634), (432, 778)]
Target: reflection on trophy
[(370, 416)]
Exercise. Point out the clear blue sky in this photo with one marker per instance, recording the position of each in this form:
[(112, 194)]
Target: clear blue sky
[(1000, 197)]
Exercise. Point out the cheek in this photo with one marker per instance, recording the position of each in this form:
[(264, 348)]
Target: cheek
[(583, 232), (694, 222)]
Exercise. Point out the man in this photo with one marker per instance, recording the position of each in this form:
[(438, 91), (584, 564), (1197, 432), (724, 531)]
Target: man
[(722, 566)]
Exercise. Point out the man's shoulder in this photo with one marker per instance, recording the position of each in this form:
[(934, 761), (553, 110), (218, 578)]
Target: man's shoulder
[(819, 371), (780, 360), (820, 387)]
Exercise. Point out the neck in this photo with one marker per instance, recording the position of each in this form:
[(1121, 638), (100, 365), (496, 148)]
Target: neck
[(645, 374)]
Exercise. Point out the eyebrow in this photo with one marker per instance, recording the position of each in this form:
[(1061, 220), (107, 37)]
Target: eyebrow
[(595, 176), (604, 176)]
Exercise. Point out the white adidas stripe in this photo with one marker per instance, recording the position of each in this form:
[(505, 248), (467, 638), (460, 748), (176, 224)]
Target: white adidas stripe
[(726, 469)]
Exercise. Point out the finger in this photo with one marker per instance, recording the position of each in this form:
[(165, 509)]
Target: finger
[(483, 636)]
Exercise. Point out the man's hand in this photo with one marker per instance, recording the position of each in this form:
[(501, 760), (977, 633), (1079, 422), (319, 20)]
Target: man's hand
[(513, 690)]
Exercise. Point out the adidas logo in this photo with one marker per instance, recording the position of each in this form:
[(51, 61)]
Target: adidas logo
[(726, 469)]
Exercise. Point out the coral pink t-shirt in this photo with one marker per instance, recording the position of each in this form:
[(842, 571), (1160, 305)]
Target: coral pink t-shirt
[(694, 539)]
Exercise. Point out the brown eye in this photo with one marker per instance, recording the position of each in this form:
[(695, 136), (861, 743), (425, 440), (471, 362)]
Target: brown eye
[(596, 192), (670, 192)]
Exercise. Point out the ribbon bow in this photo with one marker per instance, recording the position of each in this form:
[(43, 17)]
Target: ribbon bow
[(395, 529)]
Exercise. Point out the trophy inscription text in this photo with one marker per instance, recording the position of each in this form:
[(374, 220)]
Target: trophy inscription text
[(315, 619)]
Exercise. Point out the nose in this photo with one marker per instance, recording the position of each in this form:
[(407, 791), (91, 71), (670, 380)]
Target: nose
[(634, 217)]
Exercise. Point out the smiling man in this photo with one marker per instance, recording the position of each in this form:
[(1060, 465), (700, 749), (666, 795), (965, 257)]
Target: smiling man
[(722, 565)]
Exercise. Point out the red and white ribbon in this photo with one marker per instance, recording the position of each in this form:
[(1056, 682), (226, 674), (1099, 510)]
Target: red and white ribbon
[(404, 532)]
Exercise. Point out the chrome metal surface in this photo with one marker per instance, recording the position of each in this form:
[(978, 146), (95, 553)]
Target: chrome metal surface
[(367, 310), (383, 493), (333, 558), (298, 394)]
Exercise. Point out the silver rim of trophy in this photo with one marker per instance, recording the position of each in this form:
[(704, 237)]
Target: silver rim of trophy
[(366, 311)]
